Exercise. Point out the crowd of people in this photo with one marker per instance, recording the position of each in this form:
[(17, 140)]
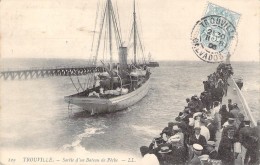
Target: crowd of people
[(192, 137)]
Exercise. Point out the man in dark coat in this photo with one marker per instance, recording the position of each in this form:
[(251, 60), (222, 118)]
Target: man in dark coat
[(197, 151), (230, 105), (212, 130), (197, 138), (210, 150), (248, 138), (226, 148), (206, 85), (224, 114)]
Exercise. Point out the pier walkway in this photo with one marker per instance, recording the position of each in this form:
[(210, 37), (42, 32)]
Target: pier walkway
[(31, 73), (236, 95)]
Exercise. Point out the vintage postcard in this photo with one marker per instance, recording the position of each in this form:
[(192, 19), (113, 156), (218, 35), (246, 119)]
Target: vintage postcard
[(129, 82)]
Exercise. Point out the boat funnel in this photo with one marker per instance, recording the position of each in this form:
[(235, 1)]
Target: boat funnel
[(123, 58)]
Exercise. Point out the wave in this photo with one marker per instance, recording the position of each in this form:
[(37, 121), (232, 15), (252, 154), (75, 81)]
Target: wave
[(146, 130), (76, 144)]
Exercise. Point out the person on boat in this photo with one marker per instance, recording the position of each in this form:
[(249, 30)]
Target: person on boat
[(211, 151), (226, 148), (248, 138), (148, 157), (197, 151)]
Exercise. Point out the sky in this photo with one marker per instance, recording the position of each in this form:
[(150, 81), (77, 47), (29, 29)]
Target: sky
[(64, 28)]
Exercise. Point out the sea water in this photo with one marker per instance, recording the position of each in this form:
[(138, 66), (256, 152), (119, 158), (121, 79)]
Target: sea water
[(35, 116)]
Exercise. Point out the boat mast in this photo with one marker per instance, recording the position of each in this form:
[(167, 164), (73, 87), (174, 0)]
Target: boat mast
[(110, 32), (134, 34)]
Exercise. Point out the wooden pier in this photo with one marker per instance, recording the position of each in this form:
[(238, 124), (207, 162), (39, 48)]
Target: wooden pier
[(48, 72)]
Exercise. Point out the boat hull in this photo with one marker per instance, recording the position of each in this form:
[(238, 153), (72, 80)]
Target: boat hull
[(102, 105)]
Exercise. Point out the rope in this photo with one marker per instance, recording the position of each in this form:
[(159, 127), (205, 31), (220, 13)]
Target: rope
[(74, 84), (120, 32), (140, 42), (79, 83), (117, 32), (101, 29)]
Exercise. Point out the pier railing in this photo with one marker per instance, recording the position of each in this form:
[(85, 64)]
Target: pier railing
[(12, 74), (244, 103)]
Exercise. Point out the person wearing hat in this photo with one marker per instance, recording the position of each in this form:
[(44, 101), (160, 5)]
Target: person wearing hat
[(197, 138), (240, 121), (249, 139), (168, 129), (224, 114), (165, 155), (226, 148), (177, 143), (230, 105), (210, 150), (229, 123), (212, 129), (235, 110), (197, 151)]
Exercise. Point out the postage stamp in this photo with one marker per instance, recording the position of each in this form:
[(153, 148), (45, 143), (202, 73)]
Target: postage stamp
[(214, 36)]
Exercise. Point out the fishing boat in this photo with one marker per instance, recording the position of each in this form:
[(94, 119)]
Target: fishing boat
[(121, 84)]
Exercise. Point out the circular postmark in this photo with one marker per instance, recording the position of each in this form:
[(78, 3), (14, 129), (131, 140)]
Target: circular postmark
[(213, 38)]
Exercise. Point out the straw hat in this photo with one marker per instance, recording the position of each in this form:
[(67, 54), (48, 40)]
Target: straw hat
[(204, 157), (197, 147), (164, 150)]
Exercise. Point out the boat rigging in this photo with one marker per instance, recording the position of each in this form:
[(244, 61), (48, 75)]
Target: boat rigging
[(122, 84)]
